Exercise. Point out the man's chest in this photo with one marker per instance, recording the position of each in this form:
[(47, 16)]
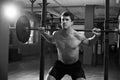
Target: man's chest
[(69, 41)]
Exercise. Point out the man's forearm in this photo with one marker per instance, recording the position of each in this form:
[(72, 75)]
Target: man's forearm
[(46, 36)]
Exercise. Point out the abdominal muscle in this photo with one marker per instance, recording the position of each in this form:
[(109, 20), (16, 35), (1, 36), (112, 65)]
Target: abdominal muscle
[(68, 56)]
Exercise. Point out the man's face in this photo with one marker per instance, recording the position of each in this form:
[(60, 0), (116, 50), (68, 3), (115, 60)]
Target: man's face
[(66, 22)]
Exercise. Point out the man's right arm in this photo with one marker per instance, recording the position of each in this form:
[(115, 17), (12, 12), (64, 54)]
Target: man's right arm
[(49, 38)]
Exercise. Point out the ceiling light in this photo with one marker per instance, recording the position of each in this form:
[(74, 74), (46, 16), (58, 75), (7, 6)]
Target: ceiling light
[(10, 11)]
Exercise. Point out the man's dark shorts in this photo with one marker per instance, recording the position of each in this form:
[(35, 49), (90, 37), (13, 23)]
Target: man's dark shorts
[(60, 69)]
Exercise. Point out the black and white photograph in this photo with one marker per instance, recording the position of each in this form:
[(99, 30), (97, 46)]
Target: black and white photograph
[(60, 40)]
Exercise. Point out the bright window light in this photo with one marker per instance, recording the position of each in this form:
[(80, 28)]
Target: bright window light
[(117, 1), (11, 11)]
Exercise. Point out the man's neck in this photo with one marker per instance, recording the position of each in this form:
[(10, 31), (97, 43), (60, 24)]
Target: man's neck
[(68, 30)]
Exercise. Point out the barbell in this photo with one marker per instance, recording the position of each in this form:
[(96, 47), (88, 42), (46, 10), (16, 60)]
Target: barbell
[(102, 31), (23, 29)]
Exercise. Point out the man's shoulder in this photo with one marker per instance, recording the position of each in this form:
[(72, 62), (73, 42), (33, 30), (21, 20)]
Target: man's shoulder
[(81, 32), (80, 35)]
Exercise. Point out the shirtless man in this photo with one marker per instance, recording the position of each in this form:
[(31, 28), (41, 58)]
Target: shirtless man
[(67, 41)]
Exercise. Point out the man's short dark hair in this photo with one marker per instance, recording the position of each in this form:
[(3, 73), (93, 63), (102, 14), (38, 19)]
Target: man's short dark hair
[(68, 13)]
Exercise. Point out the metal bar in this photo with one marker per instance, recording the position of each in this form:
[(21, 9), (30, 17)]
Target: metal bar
[(32, 7), (42, 41), (106, 41), (118, 36), (4, 45), (32, 3), (102, 31)]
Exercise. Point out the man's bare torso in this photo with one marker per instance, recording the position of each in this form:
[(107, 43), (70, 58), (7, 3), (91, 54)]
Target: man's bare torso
[(67, 46)]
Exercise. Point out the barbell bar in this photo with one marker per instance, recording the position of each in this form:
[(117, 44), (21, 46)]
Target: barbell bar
[(102, 31)]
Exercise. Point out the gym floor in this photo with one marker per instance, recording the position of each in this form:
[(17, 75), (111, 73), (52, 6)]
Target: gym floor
[(28, 69)]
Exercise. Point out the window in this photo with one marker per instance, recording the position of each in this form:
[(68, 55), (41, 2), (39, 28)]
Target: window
[(30, 41)]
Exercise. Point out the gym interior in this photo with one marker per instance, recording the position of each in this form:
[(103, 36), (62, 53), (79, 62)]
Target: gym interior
[(22, 60)]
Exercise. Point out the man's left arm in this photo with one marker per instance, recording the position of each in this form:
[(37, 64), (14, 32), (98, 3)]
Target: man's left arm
[(92, 40)]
